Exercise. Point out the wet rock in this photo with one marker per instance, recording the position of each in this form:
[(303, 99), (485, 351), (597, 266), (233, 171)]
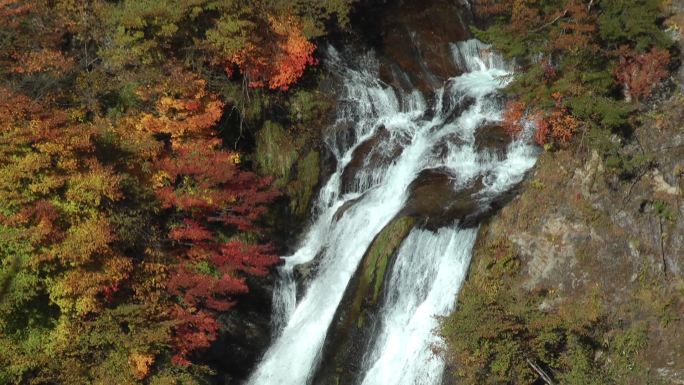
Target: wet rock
[(493, 138), (375, 152), (394, 75), (417, 34), (341, 136), (413, 40), (328, 163), (346, 206), (456, 105), (434, 198), (355, 323), (305, 273), (245, 333), (443, 146)]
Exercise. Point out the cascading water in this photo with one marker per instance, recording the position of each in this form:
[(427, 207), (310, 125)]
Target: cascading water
[(424, 282), (429, 266)]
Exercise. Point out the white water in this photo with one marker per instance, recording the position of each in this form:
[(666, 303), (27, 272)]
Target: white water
[(425, 279), (430, 266)]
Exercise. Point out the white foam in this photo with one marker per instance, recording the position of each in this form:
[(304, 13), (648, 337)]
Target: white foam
[(430, 266)]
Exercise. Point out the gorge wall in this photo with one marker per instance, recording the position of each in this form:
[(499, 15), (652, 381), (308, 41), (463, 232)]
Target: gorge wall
[(585, 253)]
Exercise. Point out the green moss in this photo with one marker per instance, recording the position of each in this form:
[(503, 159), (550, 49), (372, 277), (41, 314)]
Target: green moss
[(664, 210), (383, 248), (276, 152), (375, 264), (301, 189), (537, 184), (307, 106)]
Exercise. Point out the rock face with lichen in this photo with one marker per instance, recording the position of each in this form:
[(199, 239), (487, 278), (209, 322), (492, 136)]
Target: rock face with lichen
[(581, 275), (581, 234)]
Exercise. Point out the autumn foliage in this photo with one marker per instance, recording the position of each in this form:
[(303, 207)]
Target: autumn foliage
[(207, 195), (54, 189), (558, 126), (129, 217), (573, 56), (41, 60), (11, 9), (487, 8), (641, 73), (513, 117), (280, 63)]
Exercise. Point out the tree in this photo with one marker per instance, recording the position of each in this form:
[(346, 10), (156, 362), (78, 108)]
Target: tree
[(207, 197), (558, 126), (639, 74), (56, 191), (127, 225), (279, 60), (582, 50)]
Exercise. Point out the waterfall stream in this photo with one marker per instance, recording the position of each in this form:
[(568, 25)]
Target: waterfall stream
[(429, 266)]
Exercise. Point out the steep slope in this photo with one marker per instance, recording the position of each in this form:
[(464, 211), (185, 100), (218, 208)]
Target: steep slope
[(580, 279)]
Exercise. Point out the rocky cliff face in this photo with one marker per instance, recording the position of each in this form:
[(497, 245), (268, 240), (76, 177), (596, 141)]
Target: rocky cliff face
[(413, 39), (581, 231)]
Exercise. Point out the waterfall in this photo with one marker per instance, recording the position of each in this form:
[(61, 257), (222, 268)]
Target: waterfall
[(424, 282), (430, 266)]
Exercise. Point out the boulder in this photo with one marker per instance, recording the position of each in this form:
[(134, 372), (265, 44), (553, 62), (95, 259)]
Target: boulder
[(434, 198), (375, 152), (346, 206), (492, 137), (305, 273)]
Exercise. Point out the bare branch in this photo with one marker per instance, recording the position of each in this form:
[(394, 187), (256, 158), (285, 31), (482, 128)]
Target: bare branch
[(540, 372)]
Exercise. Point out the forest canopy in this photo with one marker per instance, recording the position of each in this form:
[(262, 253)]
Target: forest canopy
[(128, 218)]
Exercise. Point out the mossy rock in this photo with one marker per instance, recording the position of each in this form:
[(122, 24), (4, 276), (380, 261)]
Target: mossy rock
[(354, 324), (376, 260), (276, 152), (306, 106), (301, 189)]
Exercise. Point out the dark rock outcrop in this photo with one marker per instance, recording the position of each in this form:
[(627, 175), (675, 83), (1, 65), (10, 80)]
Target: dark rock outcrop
[(435, 199), (417, 36), (245, 333), (375, 152), (413, 39), (493, 138)]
